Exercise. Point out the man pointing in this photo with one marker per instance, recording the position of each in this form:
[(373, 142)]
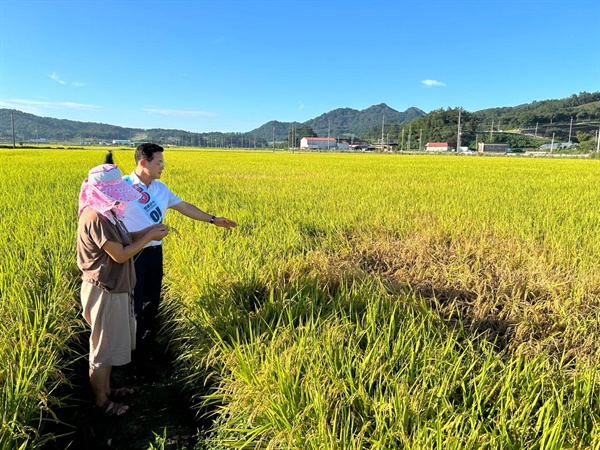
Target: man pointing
[(149, 210)]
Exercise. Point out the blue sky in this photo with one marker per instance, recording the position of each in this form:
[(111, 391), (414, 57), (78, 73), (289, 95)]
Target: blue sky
[(234, 65)]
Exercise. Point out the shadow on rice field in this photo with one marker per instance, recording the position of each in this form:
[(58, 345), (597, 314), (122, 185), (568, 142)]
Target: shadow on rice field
[(159, 415)]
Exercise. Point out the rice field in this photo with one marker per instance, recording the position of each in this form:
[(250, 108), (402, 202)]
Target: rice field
[(364, 301)]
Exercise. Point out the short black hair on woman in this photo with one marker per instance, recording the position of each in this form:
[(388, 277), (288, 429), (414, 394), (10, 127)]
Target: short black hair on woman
[(108, 159)]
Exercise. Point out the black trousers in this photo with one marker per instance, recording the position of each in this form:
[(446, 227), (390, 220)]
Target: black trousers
[(146, 296)]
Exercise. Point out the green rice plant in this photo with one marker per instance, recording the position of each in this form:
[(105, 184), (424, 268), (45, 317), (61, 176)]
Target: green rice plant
[(38, 279), (364, 301), (397, 378), (477, 239)]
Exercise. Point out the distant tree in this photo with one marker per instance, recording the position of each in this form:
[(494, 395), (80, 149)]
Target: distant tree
[(440, 125), (298, 133)]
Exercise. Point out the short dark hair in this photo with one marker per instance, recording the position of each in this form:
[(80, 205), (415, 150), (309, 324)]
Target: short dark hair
[(146, 151), (108, 158)]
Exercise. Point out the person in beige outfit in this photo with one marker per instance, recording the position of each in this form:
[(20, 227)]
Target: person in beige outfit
[(105, 250)]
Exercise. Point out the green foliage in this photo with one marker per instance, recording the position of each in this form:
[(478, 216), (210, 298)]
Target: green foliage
[(364, 301), (524, 126), (390, 374), (519, 126), (38, 279), (548, 116), (346, 121), (413, 303), (297, 133), (338, 123), (440, 125)]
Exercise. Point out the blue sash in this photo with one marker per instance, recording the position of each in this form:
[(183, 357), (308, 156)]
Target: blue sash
[(146, 203)]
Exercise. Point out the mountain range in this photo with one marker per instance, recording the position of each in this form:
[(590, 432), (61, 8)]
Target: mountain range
[(574, 118), (342, 122)]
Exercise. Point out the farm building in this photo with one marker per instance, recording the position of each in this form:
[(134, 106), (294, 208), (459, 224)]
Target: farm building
[(358, 146), (343, 145), (317, 143), (556, 146), (482, 147), (121, 142), (440, 146)]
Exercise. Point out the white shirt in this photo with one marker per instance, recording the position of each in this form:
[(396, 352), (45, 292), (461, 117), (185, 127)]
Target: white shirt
[(151, 208)]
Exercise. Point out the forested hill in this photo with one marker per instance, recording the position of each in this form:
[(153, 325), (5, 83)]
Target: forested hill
[(343, 122), (582, 108), (576, 117), (529, 125), (348, 121), (339, 123)]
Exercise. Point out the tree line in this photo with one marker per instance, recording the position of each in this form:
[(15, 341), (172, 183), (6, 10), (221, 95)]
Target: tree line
[(576, 118)]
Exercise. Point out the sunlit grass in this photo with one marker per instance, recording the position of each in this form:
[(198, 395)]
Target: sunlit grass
[(364, 301), (504, 250), (393, 375), (37, 288)]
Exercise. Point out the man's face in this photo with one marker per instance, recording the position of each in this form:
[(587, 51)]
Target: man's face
[(155, 167)]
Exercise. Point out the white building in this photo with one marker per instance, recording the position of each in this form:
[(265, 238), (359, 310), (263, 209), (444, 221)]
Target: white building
[(482, 147), (440, 147), (317, 143), (121, 142)]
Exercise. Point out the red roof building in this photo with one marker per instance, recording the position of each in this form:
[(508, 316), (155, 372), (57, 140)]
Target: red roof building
[(440, 146), (318, 143)]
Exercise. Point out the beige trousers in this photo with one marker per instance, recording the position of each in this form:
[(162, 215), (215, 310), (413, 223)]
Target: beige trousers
[(112, 320)]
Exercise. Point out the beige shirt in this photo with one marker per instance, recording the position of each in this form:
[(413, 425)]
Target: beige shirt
[(98, 267)]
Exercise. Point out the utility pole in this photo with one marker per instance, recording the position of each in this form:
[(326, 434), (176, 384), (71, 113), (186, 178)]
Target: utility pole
[(491, 132), (420, 138), (536, 127), (570, 130), (382, 126), (598, 139), (402, 147), (458, 133), (552, 145), (12, 121), (273, 138), (409, 133)]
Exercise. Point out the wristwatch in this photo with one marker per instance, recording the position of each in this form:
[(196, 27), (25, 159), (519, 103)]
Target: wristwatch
[(212, 219)]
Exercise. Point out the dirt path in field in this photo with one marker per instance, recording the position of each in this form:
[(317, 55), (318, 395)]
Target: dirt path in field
[(156, 406)]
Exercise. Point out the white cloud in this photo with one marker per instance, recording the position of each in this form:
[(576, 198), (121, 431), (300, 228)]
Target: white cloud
[(432, 83), (55, 77), (178, 113), (38, 107), (77, 106)]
